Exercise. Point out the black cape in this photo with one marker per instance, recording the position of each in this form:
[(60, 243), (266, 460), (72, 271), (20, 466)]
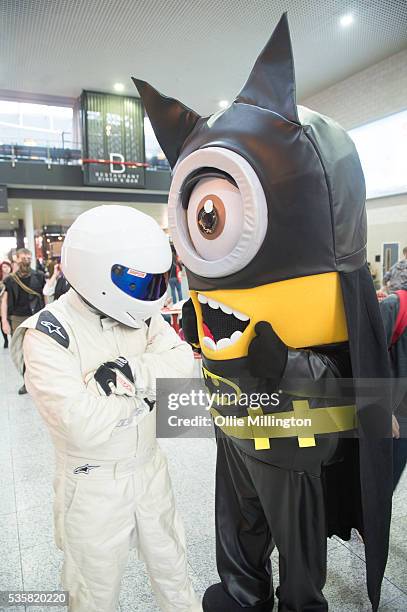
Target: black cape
[(369, 356)]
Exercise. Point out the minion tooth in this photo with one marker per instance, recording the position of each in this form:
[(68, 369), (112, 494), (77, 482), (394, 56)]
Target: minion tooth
[(223, 343), (240, 316), (226, 309), (209, 343), (213, 304), (236, 336)]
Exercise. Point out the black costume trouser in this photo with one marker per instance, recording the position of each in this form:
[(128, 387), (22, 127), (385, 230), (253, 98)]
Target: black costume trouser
[(259, 506), (400, 451)]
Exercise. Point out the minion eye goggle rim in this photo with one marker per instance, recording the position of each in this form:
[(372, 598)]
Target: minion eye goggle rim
[(198, 175), (222, 163)]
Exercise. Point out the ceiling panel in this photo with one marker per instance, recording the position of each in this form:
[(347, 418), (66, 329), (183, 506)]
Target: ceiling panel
[(198, 50)]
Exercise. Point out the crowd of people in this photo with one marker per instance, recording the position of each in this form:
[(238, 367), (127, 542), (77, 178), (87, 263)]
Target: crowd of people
[(22, 294), (393, 306)]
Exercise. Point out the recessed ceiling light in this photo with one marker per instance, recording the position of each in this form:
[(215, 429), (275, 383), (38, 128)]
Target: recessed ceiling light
[(118, 87), (223, 104), (346, 20), (11, 222)]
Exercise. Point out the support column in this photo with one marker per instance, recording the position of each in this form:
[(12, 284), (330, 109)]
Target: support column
[(29, 229), (20, 234)]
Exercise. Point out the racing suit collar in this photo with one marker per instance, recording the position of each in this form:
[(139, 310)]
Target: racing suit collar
[(108, 323), (88, 312)]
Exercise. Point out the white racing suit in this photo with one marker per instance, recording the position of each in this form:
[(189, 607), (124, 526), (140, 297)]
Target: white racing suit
[(112, 487)]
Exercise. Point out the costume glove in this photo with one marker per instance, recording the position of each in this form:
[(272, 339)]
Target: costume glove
[(267, 353), (190, 325)]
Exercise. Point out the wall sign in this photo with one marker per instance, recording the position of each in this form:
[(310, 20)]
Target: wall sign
[(113, 140)]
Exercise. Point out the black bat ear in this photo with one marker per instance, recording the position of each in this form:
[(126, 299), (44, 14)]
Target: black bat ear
[(271, 84), (172, 121)]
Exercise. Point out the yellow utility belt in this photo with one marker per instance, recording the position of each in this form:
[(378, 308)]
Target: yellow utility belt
[(302, 422)]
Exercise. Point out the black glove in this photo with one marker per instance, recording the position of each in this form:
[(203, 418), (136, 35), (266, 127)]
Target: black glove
[(116, 377), (267, 354), (190, 325)]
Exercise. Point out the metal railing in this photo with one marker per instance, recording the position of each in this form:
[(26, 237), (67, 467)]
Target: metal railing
[(52, 153), (48, 153)]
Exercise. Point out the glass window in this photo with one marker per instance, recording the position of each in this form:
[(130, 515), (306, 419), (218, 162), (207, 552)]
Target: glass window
[(62, 124), (36, 116), (10, 135), (154, 154), (382, 148), (35, 124), (9, 113)]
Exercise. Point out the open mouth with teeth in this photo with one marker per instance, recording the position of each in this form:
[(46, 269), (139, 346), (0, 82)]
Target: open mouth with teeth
[(222, 326)]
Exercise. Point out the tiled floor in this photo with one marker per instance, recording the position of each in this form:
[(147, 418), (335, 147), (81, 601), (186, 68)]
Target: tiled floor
[(30, 560)]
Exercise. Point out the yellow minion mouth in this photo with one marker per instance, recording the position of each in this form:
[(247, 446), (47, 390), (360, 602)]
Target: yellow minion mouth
[(223, 331), (222, 326), (304, 311)]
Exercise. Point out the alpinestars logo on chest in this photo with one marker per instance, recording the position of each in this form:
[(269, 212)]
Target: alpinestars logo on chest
[(85, 469), (53, 329)]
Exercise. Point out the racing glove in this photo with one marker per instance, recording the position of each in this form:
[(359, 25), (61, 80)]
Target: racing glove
[(267, 354), (115, 377)]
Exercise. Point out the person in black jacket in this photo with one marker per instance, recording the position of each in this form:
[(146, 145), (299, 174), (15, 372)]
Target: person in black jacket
[(394, 313), (22, 297), (5, 270)]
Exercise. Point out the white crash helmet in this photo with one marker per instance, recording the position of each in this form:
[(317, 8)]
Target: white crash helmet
[(118, 259)]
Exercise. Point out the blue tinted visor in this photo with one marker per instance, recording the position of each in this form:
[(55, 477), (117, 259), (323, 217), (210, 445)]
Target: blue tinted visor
[(140, 285)]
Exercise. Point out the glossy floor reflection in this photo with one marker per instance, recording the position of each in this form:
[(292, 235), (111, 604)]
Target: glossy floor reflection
[(30, 559)]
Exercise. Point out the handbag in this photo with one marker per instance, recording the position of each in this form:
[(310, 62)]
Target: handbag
[(23, 286)]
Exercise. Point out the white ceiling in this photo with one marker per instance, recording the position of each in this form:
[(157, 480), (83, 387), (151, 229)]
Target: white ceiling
[(198, 50)]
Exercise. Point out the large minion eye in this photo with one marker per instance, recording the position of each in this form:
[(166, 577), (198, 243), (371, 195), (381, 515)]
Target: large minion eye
[(219, 226), (215, 218)]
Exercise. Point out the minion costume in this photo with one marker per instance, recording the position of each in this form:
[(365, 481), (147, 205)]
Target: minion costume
[(267, 213)]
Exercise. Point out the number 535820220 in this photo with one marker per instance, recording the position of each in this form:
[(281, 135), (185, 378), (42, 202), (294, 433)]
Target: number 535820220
[(34, 598)]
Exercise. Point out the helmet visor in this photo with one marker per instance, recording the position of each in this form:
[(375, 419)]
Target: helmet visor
[(140, 285)]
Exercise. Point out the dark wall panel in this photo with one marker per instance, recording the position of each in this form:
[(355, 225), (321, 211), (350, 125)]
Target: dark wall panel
[(113, 133)]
